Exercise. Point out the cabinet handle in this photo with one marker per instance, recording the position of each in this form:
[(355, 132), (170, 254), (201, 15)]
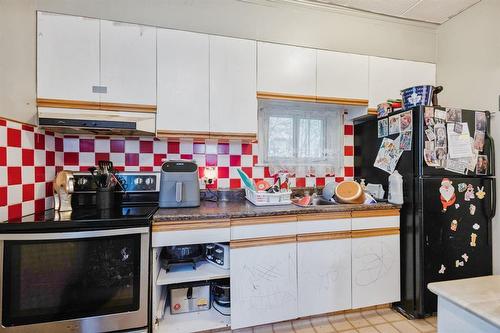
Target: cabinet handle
[(100, 89)]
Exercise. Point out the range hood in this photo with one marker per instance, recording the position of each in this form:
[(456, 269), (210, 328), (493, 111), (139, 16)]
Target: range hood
[(97, 121)]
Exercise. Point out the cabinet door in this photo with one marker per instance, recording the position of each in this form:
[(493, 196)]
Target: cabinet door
[(389, 76), (286, 69), (128, 63), (263, 284), (233, 85), (67, 57), (324, 276), (375, 270), (183, 84), (342, 75)]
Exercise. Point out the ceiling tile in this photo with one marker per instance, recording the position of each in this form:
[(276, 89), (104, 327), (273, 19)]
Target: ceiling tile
[(438, 11), (387, 7)]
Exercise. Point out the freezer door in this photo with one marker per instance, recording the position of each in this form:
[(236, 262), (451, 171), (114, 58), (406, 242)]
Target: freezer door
[(468, 116), (456, 235)]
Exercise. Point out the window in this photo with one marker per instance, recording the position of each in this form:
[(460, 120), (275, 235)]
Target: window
[(299, 136)]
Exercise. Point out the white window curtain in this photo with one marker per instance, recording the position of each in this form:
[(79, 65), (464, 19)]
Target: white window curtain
[(301, 138)]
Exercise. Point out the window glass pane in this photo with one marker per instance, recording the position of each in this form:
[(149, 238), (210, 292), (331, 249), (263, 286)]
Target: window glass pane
[(311, 143), (316, 135), (280, 137)]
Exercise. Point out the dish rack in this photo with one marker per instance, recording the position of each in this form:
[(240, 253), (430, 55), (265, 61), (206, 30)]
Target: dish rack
[(268, 199)]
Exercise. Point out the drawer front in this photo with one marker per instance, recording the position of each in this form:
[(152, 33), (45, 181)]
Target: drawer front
[(261, 227), (263, 230), (185, 237), (378, 219), (306, 227)]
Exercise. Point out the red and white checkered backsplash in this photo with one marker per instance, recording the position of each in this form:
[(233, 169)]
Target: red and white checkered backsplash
[(30, 158)]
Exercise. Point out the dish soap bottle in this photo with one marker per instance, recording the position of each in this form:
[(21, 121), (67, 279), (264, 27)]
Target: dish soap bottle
[(395, 195)]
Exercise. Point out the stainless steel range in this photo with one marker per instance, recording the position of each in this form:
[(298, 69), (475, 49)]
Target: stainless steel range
[(80, 271)]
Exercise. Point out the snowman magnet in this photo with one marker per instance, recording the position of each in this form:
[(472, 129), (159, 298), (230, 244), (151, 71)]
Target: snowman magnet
[(447, 192), (454, 225)]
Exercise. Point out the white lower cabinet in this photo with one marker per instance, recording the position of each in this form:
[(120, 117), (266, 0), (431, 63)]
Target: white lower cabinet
[(375, 270), (263, 284), (324, 276)]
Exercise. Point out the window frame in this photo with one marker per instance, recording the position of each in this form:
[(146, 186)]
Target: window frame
[(297, 111)]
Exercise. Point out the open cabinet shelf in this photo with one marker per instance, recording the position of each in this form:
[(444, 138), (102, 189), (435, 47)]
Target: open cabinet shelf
[(193, 321), (179, 274)]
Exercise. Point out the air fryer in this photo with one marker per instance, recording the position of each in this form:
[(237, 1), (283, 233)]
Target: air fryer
[(181, 255)]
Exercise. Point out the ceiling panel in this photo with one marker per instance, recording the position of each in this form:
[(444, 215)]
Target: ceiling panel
[(388, 7), (438, 11), (435, 11)]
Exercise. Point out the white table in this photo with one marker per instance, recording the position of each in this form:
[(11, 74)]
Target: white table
[(468, 305)]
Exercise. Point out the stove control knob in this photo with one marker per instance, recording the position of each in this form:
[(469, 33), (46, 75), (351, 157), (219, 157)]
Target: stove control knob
[(149, 181), (138, 181)]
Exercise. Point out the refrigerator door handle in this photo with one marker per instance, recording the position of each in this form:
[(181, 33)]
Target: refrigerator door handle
[(494, 198), (492, 153)]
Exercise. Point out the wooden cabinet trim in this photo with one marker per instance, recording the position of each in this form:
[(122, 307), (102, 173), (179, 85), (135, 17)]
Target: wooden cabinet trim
[(320, 236), (206, 135), (190, 225), (372, 111), (289, 97), (88, 105), (182, 134), (233, 136), (375, 213), (263, 220), (342, 101), (324, 216), (374, 232), (128, 107), (308, 98), (262, 241)]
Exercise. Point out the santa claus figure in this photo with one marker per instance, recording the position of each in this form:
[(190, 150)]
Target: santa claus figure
[(447, 192)]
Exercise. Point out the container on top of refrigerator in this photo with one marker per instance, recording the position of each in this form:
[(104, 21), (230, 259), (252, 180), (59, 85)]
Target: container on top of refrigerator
[(416, 96)]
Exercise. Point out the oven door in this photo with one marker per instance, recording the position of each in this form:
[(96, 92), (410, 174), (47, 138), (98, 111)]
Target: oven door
[(87, 281)]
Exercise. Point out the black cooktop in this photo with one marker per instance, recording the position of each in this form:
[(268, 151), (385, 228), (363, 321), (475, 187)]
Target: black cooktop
[(82, 218), (134, 208)]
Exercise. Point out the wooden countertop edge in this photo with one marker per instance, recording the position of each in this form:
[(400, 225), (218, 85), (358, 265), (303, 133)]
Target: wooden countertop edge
[(190, 225), (281, 218)]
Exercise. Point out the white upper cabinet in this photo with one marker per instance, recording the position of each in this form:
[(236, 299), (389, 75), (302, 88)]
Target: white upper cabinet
[(183, 81), (233, 85), (342, 75), (67, 57), (128, 63), (286, 69), (389, 76)]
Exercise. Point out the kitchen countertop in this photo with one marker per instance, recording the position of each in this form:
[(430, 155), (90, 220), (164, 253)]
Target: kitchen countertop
[(480, 296), (240, 209)]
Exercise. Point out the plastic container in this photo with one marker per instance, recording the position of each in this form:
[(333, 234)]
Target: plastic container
[(268, 199), (395, 188), (416, 96)]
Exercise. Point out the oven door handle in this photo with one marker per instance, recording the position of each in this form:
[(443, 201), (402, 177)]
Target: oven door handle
[(74, 234)]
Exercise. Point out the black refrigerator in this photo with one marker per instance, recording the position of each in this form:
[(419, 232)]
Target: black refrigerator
[(444, 235)]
